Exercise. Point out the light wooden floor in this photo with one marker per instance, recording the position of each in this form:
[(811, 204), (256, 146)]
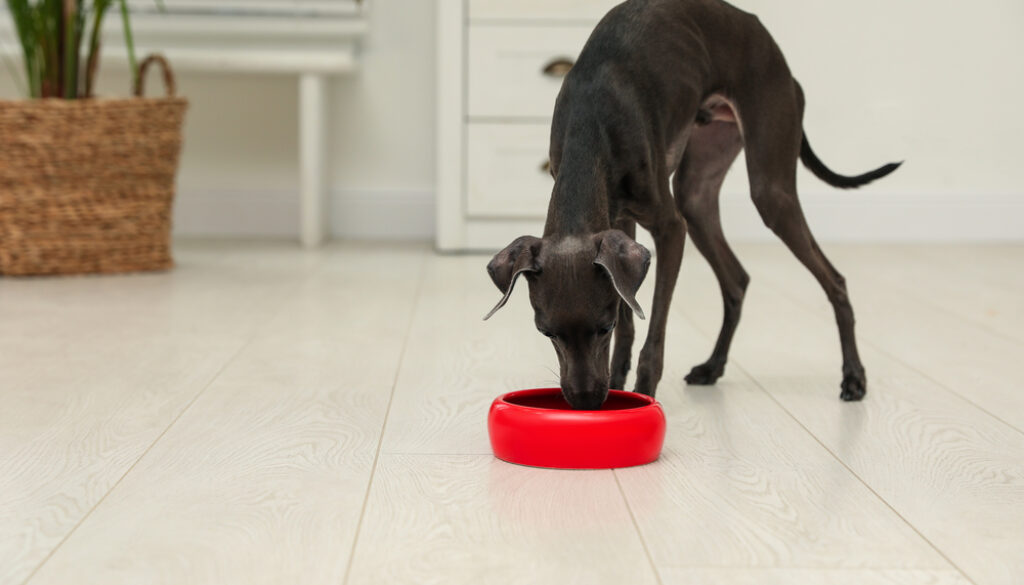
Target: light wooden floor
[(264, 415)]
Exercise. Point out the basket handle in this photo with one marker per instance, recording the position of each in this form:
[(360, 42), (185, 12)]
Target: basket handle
[(140, 82)]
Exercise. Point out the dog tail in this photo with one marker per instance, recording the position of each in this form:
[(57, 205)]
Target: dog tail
[(814, 164)]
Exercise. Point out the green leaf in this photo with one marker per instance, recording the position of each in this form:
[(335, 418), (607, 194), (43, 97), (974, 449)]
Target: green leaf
[(51, 34), (129, 42), (23, 15)]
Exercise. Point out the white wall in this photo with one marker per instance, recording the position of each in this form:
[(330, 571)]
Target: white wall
[(936, 82), (239, 172)]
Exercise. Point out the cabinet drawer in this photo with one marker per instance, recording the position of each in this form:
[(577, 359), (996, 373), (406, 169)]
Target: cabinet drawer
[(564, 10), (504, 174), (507, 65)]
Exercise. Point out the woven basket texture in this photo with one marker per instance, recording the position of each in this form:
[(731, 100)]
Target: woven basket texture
[(87, 186)]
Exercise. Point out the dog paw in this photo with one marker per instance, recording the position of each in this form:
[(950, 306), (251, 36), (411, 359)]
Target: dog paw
[(648, 374), (618, 378), (705, 374), (644, 385), (617, 382), (854, 387)]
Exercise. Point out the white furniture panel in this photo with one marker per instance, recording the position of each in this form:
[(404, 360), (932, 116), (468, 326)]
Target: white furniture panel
[(518, 70), (262, 7), (494, 109), (575, 10), (506, 170), (494, 113)]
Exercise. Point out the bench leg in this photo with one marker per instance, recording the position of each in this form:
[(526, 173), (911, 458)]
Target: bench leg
[(312, 159)]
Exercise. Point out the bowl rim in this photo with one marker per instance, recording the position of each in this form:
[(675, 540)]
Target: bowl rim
[(503, 399)]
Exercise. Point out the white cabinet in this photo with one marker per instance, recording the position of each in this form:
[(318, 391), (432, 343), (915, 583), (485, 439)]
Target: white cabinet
[(516, 71), (506, 170), (546, 10), (500, 67)]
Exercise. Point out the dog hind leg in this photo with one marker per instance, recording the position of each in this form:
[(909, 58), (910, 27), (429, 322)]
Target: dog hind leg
[(709, 154), (772, 134)]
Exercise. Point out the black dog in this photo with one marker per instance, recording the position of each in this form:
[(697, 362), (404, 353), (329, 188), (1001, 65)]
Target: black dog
[(665, 86)]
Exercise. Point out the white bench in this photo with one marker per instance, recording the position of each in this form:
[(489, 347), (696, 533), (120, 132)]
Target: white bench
[(313, 39)]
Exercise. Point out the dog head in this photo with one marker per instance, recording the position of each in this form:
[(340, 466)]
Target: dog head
[(576, 284)]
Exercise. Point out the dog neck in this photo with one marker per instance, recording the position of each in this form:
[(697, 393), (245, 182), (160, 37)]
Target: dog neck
[(579, 200)]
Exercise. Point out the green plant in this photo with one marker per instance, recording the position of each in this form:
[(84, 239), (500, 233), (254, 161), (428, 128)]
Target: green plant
[(51, 33)]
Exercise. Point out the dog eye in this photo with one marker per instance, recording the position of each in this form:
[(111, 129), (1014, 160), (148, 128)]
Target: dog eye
[(606, 329)]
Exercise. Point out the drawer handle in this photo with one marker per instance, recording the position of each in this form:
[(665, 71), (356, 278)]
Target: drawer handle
[(558, 67)]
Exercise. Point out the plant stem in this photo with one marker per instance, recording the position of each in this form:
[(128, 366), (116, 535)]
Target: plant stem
[(70, 63), (92, 63), (129, 42)]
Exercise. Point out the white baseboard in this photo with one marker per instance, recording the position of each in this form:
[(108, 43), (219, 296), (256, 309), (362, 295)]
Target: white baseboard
[(409, 215), (391, 215), (238, 213), (854, 216)]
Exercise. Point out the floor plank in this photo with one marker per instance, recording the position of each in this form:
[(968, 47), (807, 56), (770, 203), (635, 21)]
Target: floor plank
[(719, 576), (951, 470), (769, 500), (442, 509), (471, 519), (973, 288), (93, 369), (997, 265), (742, 484), (456, 363), (963, 356), (291, 358), (262, 480)]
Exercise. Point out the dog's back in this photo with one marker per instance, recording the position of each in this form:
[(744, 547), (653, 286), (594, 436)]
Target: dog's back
[(648, 66), (663, 98), (671, 46)]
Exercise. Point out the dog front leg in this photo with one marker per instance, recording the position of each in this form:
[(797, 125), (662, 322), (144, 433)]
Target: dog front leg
[(624, 330), (669, 235)]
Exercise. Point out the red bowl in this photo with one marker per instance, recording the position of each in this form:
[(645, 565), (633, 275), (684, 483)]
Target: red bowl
[(540, 429)]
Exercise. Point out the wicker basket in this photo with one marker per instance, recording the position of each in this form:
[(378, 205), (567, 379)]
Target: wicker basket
[(87, 185)]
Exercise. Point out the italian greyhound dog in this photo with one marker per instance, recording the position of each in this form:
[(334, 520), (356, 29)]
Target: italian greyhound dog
[(665, 91)]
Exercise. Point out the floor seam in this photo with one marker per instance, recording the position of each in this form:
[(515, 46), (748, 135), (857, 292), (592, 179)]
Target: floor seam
[(863, 482), (942, 385), (795, 301), (244, 345), (839, 460), (135, 463), (387, 413), (807, 568), (914, 254), (636, 526), (963, 319)]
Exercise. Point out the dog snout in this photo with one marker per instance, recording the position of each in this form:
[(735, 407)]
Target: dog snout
[(591, 399)]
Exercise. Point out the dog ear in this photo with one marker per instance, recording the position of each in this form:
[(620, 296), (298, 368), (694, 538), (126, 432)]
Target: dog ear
[(626, 262), (520, 256)]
